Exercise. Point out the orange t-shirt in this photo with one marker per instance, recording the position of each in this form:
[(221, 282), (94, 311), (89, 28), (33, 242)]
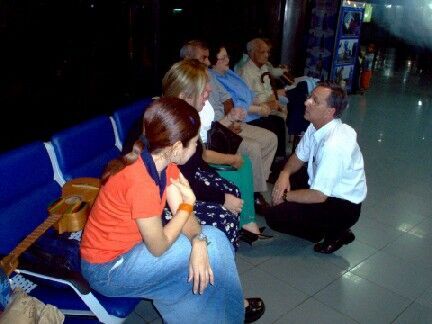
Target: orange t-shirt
[(111, 229)]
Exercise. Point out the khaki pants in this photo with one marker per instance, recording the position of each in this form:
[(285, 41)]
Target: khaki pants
[(260, 145)]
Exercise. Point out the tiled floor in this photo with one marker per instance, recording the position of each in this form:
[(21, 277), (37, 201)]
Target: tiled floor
[(385, 275)]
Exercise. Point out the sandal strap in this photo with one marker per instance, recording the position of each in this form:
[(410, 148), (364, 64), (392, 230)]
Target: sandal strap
[(264, 236)]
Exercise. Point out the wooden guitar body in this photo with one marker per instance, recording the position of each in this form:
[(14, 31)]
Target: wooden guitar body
[(67, 214), (78, 195)]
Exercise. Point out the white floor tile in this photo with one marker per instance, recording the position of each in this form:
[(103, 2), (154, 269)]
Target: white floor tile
[(362, 300)]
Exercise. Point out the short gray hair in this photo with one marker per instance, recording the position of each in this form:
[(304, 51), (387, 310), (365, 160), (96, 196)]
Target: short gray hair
[(252, 45), (188, 49)]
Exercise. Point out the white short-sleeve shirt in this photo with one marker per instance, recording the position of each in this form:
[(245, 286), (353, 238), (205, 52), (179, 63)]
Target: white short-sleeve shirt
[(335, 162), (207, 115)]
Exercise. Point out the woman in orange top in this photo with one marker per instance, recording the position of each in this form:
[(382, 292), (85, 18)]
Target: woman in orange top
[(126, 252)]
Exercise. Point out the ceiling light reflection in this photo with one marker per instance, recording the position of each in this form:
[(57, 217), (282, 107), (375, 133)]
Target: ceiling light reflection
[(352, 277), (405, 227)]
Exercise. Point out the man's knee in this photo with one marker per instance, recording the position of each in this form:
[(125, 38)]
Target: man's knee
[(272, 140), (274, 216), (252, 148)]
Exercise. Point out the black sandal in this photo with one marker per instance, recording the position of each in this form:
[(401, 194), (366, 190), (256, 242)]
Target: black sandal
[(249, 237), (254, 310)]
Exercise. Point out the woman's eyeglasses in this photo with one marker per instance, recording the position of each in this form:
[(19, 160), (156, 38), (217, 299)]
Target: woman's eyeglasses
[(222, 58)]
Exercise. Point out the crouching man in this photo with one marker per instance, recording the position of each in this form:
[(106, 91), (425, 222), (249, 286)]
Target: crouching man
[(324, 200)]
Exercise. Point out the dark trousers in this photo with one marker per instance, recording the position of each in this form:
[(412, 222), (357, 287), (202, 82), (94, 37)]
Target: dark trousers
[(276, 125), (329, 219)]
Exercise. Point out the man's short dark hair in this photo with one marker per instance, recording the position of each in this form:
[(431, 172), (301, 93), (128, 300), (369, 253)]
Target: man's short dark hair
[(338, 98)]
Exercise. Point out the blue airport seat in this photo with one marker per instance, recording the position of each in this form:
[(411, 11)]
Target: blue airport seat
[(126, 117), (26, 189), (296, 107), (85, 149)]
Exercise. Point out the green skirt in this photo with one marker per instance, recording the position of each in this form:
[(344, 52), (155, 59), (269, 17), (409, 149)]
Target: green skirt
[(243, 179)]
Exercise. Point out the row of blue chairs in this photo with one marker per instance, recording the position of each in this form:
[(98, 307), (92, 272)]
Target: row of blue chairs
[(31, 178)]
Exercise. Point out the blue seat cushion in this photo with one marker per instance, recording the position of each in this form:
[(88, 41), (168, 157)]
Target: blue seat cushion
[(56, 255), (85, 149), (127, 116), (295, 121), (27, 187), (63, 297)]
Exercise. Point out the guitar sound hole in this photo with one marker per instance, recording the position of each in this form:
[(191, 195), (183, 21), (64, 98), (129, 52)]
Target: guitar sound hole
[(80, 207)]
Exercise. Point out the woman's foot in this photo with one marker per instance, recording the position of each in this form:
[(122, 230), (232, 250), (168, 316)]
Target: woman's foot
[(254, 309), (251, 233), (252, 227)]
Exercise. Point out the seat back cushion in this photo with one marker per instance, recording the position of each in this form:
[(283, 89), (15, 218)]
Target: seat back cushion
[(127, 117), (85, 149), (296, 98), (27, 187)]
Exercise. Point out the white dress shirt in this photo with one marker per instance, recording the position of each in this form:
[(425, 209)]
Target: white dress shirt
[(335, 163)]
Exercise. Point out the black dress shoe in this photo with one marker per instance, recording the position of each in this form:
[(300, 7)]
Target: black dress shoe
[(261, 205), (254, 310), (330, 246)]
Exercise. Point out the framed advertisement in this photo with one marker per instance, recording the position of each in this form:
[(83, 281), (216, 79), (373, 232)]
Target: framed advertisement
[(342, 74), (346, 51), (351, 23), (347, 45), (321, 37)]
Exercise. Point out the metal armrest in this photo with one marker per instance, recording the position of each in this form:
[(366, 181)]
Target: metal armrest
[(72, 277)]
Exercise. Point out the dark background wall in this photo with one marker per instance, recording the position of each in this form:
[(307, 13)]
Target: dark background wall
[(65, 61), (81, 58)]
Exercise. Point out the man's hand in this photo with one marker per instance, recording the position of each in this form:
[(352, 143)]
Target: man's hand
[(235, 127), (281, 92), (200, 271), (237, 114), (273, 104), (282, 184), (287, 78), (265, 110)]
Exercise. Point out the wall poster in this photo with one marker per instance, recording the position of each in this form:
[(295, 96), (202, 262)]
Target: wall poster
[(347, 45), (321, 38)]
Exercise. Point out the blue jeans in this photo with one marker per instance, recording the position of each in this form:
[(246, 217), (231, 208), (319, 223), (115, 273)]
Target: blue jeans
[(163, 279)]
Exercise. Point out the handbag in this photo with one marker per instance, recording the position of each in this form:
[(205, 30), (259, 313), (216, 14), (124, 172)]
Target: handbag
[(223, 140)]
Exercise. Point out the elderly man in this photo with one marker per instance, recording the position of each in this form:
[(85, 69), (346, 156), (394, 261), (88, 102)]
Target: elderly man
[(280, 73), (258, 143), (219, 98), (256, 74), (329, 203)]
